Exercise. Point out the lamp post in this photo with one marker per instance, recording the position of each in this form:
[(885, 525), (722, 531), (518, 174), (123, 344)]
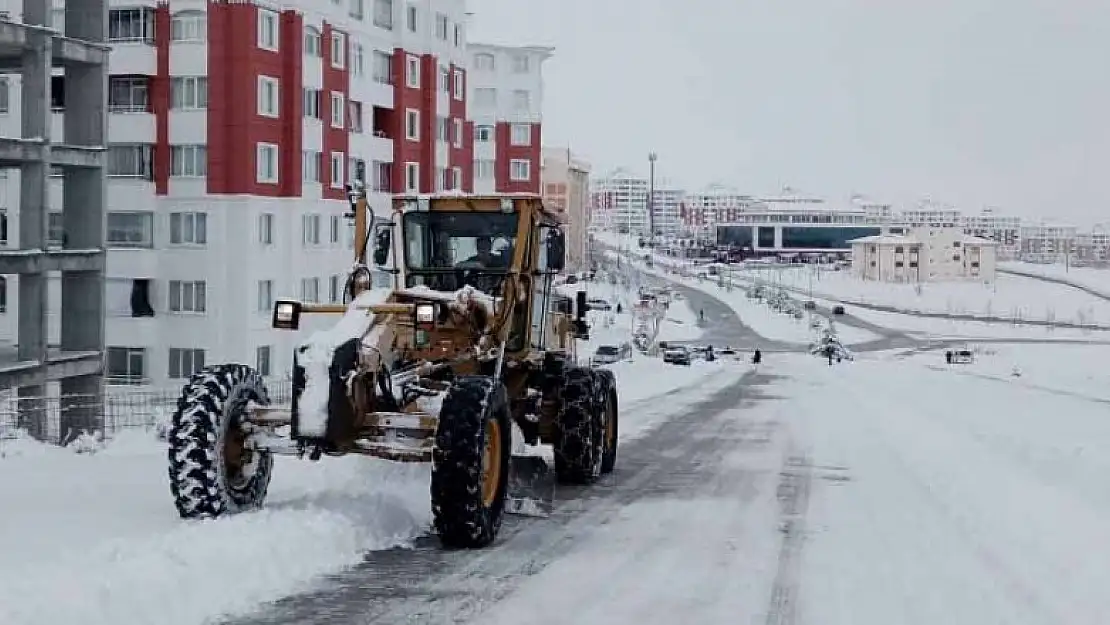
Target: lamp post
[(652, 156)]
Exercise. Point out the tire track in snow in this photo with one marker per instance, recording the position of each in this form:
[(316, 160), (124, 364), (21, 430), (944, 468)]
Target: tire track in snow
[(796, 479), (430, 585)]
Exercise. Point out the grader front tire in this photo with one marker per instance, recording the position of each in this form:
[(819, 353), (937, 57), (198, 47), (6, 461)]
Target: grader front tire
[(210, 471), (470, 463), (610, 421)]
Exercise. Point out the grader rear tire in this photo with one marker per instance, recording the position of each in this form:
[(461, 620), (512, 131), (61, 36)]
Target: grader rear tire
[(609, 419), (578, 433), (211, 473), (470, 463)]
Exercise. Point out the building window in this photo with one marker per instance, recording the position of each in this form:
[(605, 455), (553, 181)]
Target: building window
[(126, 94), (267, 30), (520, 170), (444, 79), (358, 9), (310, 229), (3, 295), (188, 161), (188, 93), (265, 296), (485, 97), (6, 96), (456, 178), (485, 62), (334, 231), (412, 177), (267, 163), (443, 25), (130, 229), (443, 129), (412, 14), (382, 68), (412, 124), (333, 289), (337, 112), (356, 169), (126, 365), (358, 59), (268, 96), (189, 26), (312, 104), (313, 42), (311, 164), (131, 160), (412, 71), (338, 50), (458, 36), (3, 228), (338, 164), (521, 64), (189, 228), (483, 169), (185, 362), (460, 86), (458, 134), (131, 25), (354, 112), (521, 135), (262, 360), (188, 296), (266, 228), (381, 176), (383, 14), (310, 290), (522, 100), (483, 134)]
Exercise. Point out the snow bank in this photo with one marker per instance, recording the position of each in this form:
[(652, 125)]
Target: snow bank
[(94, 538)]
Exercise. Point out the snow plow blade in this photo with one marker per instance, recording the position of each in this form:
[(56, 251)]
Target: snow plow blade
[(531, 487)]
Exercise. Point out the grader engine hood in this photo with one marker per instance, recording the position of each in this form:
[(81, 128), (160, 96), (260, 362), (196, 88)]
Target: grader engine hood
[(326, 365)]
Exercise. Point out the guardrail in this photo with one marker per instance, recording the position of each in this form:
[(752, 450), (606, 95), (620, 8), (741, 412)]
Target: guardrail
[(59, 418)]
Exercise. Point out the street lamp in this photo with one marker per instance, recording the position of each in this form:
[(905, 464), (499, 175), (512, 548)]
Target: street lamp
[(652, 156)]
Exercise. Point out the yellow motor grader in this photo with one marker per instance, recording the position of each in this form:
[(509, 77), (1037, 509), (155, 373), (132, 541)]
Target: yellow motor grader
[(468, 340)]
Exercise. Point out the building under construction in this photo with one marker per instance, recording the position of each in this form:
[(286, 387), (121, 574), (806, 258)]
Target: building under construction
[(31, 49)]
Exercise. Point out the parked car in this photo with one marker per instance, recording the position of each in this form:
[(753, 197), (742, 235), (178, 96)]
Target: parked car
[(838, 310), (608, 354), (810, 305), (599, 304), (677, 355)]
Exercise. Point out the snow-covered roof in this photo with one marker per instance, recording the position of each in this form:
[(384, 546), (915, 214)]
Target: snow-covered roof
[(887, 239)]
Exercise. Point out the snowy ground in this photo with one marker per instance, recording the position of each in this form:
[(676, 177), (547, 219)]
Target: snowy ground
[(1095, 279), (931, 327), (95, 539), (845, 504)]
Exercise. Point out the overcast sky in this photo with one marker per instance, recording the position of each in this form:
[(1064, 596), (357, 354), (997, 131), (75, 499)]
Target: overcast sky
[(970, 102)]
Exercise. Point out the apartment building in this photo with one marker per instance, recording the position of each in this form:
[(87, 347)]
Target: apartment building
[(621, 199), (566, 188), (1047, 242), (505, 92), (1005, 230), (703, 210), (233, 126)]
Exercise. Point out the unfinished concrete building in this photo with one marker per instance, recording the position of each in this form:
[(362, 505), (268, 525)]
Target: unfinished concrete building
[(31, 49)]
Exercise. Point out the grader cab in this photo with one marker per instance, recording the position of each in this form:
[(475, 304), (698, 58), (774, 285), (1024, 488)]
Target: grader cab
[(468, 347)]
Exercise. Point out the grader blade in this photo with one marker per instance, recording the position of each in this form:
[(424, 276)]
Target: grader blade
[(531, 487)]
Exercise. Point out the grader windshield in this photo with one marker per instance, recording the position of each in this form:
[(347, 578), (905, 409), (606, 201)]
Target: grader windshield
[(446, 250)]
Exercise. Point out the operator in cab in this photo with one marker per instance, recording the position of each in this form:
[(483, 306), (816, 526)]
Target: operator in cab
[(485, 257)]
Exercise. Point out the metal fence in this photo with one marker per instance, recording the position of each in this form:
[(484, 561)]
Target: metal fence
[(56, 418)]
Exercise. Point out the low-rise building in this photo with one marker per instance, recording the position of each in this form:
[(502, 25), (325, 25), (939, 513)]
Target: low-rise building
[(566, 188), (924, 255)]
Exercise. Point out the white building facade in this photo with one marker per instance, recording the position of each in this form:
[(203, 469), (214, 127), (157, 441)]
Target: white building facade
[(621, 201), (924, 254), (506, 97), (233, 129), (566, 189)]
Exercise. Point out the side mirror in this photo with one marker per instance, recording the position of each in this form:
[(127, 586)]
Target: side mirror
[(381, 246), (556, 251)]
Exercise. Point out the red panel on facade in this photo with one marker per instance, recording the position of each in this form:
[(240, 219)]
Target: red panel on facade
[(406, 98), (506, 153), (235, 127), (428, 122), (160, 99), (468, 157), (335, 81)]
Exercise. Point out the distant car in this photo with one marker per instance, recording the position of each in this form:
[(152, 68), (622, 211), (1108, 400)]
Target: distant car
[(810, 305), (959, 357), (572, 279), (608, 354), (599, 304), (727, 351), (838, 310), (677, 355)]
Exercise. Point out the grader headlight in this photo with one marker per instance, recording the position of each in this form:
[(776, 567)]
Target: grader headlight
[(287, 315)]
